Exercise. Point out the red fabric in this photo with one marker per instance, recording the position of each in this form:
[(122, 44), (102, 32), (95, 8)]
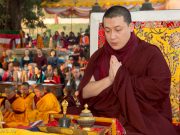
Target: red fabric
[(53, 123), (57, 79), (139, 95), (12, 36)]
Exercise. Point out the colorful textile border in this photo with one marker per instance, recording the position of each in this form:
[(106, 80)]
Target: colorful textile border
[(6, 37), (166, 35), (90, 3)]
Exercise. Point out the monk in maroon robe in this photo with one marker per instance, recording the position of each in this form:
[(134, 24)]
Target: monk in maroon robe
[(128, 79)]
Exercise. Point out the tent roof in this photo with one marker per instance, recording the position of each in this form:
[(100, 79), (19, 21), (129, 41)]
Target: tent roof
[(90, 3)]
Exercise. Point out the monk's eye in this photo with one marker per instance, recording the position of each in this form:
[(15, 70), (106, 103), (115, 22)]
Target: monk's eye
[(118, 30), (107, 30)]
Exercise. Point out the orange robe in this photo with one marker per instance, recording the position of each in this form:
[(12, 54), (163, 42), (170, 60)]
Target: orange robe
[(46, 105), (18, 115), (29, 99), (1, 101), (40, 42)]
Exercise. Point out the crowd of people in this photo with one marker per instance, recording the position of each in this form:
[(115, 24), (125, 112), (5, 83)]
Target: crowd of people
[(63, 63)]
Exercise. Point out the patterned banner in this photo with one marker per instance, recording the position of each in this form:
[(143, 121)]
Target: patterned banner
[(8, 38), (166, 35)]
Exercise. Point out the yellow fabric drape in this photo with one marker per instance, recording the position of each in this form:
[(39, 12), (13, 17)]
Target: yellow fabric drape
[(90, 3), (14, 131), (166, 35)]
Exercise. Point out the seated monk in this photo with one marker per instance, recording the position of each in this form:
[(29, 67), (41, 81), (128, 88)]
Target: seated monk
[(29, 99), (45, 103), (15, 111), (128, 79)]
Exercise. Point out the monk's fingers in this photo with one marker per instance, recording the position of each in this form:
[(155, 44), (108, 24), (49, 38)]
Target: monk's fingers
[(114, 58), (115, 67)]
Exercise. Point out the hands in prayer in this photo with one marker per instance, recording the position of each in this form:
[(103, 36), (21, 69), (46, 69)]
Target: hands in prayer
[(114, 66)]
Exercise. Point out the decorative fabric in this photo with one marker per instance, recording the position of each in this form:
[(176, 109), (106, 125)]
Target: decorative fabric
[(82, 8)]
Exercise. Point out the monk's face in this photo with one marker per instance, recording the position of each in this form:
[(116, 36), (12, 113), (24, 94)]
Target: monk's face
[(117, 31), (9, 93), (38, 93), (24, 90)]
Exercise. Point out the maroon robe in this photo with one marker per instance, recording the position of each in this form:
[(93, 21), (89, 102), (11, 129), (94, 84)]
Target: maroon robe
[(139, 95)]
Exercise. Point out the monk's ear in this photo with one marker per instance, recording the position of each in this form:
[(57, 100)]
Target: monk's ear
[(131, 26)]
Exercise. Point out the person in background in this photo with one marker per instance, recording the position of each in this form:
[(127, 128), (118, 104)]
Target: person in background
[(84, 43), (15, 109), (40, 59), (146, 6), (51, 41), (26, 59), (120, 83), (49, 73), (74, 80), (45, 40), (56, 76), (52, 59), (29, 99), (16, 72), (8, 74), (2, 57), (31, 73), (39, 41), (10, 56), (24, 76), (40, 77), (56, 39), (1, 72), (28, 39), (45, 104), (71, 39), (64, 40)]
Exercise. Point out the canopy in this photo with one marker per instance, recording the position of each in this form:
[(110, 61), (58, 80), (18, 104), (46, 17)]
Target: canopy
[(82, 8)]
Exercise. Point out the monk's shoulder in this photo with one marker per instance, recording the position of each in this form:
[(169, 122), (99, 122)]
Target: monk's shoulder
[(95, 55), (97, 52), (50, 95), (150, 49), (19, 99), (31, 95)]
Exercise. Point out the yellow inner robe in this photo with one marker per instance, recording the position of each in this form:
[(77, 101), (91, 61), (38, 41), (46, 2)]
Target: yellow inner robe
[(14, 119), (48, 104)]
